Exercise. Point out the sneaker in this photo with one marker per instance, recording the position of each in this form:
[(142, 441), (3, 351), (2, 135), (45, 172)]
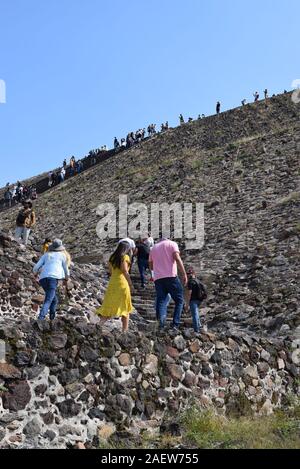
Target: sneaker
[(161, 331), (173, 331)]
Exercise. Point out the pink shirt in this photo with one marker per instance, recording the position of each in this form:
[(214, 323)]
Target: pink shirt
[(162, 256)]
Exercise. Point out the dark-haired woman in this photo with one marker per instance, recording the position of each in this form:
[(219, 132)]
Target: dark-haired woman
[(117, 299)]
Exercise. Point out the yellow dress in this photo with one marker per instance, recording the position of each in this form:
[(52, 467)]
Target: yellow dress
[(117, 299)]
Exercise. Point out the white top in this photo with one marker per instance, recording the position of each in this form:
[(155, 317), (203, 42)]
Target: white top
[(52, 265)]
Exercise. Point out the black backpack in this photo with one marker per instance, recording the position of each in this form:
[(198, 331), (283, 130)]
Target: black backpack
[(201, 291), (144, 250), (21, 218)]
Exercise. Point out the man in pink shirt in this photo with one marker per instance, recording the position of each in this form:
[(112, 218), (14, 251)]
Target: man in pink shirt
[(165, 261)]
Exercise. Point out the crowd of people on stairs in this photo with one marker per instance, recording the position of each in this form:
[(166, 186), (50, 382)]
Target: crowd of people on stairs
[(18, 193), (161, 259), (58, 176)]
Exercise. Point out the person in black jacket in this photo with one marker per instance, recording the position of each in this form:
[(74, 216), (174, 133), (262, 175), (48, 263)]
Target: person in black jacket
[(194, 295), (143, 251)]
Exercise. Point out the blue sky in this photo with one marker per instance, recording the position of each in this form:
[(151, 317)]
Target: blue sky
[(79, 72)]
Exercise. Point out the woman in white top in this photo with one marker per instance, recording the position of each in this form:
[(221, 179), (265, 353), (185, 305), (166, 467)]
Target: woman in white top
[(53, 267)]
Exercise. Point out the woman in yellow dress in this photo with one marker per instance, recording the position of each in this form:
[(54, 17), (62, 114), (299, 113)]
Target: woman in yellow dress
[(117, 299)]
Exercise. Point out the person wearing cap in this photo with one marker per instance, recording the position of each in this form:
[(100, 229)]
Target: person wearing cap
[(130, 242), (143, 251), (51, 268), (26, 219), (132, 251)]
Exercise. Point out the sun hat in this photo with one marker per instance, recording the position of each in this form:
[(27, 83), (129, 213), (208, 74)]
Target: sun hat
[(57, 246)]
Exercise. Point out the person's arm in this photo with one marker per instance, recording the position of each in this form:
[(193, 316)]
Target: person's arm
[(39, 265), (181, 268), (125, 272), (66, 269), (151, 265), (33, 219)]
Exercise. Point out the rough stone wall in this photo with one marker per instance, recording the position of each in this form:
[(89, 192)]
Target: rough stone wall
[(76, 381)]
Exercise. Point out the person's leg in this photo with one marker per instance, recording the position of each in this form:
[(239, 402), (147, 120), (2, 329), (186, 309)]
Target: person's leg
[(176, 291), (168, 300), (161, 304), (53, 283), (142, 272), (125, 323), (194, 308), (165, 305), (50, 293), (18, 233), (25, 235), (145, 266)]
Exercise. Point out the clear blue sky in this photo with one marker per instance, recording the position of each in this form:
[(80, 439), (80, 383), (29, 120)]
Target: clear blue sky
[(79, 72)]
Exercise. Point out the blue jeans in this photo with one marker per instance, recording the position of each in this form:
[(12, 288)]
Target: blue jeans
[(49, 285), (164, 287), (143, 265), (166, 304), (194, 308)]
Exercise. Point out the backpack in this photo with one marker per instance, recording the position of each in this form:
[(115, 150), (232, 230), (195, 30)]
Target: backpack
[(21, 218), (201, 291), (145, 249)]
